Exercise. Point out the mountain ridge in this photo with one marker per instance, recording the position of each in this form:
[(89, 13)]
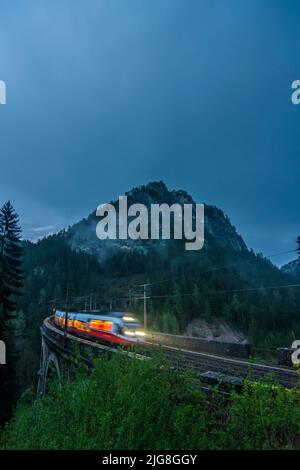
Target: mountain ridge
[(82, 235), (292, 268)]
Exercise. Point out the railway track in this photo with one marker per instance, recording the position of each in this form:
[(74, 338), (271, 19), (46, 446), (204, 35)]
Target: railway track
[(204, 362), (182, 359)]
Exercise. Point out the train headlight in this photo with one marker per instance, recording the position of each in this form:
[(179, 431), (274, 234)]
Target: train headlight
[(128, 318), (129, 333), (140, 333)]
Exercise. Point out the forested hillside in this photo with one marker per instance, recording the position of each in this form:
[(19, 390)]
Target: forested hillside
[(223, 280)]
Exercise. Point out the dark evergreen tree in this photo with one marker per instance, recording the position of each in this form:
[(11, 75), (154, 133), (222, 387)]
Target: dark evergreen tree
[(11, 320), (11, 274)]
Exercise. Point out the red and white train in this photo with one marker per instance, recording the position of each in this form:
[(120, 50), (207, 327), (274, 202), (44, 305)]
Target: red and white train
[(107, 327)]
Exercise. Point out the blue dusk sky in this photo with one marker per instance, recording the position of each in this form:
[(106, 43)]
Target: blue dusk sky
[(104, 95)]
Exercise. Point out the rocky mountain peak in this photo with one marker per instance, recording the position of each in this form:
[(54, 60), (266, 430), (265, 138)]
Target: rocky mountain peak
[(82, 236)]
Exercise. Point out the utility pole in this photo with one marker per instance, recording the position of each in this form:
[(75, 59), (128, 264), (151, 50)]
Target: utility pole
[(145, 308), (130, 299)]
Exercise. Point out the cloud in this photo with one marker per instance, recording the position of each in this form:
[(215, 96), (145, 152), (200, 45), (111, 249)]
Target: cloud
[(40, 229)]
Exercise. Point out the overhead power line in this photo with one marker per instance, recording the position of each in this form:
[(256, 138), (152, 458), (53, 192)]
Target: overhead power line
[(215, 268), (223, 291)]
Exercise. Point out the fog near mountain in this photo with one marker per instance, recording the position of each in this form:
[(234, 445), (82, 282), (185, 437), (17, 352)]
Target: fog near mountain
[(293, 268), (82, 236)]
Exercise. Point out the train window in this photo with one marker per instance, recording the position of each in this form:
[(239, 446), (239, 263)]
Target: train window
[(101, 325), (79, 325)]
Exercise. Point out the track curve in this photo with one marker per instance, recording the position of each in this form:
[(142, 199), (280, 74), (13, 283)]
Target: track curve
[(182, 358)]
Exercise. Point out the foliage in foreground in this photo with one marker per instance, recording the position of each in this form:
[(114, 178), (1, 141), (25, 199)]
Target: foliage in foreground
[(134, 404)]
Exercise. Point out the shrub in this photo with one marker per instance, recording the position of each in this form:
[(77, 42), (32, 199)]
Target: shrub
[(143, 404)]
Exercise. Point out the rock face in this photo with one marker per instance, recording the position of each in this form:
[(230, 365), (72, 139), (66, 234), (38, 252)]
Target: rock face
[(293, 267), (217, 330), (82, 236)]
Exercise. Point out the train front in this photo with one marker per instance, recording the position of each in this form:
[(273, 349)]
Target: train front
[(131, 328)]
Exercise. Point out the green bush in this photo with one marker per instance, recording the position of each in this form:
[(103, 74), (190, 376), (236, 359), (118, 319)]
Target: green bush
[(142, 404), (263, 417)]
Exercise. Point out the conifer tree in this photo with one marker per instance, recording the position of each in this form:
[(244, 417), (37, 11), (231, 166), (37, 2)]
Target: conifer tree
[(11, 274), (11, 281)]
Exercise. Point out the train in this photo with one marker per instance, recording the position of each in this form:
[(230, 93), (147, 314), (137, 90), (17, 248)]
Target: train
[(114, 328)]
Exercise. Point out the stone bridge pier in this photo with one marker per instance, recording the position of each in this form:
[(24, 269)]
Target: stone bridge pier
[(59, 355), (50, 366)]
